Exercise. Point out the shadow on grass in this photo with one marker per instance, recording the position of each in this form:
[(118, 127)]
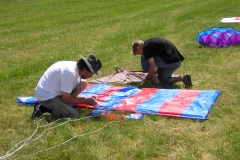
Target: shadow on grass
[(156, 117), (151, 85)]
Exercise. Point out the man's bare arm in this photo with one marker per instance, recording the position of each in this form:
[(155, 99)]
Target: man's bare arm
[(151, 71)]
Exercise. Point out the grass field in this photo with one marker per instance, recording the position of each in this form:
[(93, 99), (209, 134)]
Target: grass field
[(34, 34)]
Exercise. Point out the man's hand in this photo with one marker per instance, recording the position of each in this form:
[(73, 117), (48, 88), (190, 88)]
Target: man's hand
[(156, 80), (69, 99), (147, 80), (91, 100)]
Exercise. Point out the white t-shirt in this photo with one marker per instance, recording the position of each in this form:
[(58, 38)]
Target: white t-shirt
[(60, 77)]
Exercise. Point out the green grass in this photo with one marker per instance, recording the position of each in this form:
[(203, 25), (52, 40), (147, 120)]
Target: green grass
[(34, 34)]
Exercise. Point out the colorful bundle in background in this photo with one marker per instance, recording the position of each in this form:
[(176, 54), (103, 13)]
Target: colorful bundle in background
[(219, 37)]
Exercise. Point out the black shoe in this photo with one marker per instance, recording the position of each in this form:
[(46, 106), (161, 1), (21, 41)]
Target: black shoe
[(36, 112), (187, 80)]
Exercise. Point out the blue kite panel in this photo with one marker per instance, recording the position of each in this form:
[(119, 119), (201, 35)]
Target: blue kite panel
[(111, 101), (201, 106), (153, 104), (95, 89)]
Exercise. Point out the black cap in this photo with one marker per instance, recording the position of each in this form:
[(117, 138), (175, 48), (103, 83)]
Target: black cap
[(93, 63)]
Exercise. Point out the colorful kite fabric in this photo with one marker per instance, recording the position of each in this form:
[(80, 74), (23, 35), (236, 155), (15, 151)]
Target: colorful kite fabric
[(122, 76), (195, 104), (219, 37), (231, 20)]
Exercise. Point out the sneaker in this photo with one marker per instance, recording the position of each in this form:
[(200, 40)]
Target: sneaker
[(187, 80), (36, 112)]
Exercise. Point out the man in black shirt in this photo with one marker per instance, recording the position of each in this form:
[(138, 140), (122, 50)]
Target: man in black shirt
[(161, 54)]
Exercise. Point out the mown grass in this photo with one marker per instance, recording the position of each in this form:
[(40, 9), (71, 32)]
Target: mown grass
[(34, 34)]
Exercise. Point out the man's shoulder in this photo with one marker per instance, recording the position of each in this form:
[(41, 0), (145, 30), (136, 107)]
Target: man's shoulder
[(63, 65), (65, 62)]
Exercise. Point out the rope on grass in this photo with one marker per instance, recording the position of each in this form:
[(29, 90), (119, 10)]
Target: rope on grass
[(29, 140)]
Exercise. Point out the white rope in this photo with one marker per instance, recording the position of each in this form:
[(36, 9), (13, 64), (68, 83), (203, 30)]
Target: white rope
[(25, 141), (29, 140), (81, 135)]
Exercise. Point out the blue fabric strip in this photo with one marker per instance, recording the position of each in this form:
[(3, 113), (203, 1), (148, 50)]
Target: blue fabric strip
[(201, 106), (152, 105), (115, 99), (95, 89)]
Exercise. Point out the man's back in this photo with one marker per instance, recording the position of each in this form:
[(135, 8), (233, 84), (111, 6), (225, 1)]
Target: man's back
[(61, 76), (164, 48)]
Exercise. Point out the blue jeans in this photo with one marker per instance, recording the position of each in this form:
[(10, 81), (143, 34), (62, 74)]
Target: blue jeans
[(164, 70)]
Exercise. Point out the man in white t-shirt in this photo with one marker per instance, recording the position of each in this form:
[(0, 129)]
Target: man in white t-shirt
[(61, 85)]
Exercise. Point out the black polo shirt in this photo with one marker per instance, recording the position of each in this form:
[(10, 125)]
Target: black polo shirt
[(164, 48)]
